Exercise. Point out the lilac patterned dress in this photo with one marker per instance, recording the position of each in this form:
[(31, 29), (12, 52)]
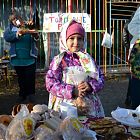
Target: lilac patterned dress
[(60, 86)]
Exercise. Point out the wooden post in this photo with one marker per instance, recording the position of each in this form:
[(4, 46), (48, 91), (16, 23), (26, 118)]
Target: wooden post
[(69, 6)]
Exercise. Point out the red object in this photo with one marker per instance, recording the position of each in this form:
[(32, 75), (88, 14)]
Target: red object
[(70, 6), (74, 28)]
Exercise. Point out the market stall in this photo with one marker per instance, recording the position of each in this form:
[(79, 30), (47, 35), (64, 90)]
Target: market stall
[(37, 122)]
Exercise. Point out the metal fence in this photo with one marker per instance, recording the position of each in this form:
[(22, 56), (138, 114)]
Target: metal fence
[(105, 14)]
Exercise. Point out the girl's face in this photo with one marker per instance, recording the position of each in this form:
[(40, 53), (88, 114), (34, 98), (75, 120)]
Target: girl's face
[(75, 43)]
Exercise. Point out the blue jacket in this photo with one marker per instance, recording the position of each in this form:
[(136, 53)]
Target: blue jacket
[(11, 37)]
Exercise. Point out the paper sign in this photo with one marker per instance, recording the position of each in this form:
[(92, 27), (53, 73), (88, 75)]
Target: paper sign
[(53, 21)]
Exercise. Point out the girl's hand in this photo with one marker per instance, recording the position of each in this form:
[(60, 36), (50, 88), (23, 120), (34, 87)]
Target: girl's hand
[(84, 87), (81, 94)]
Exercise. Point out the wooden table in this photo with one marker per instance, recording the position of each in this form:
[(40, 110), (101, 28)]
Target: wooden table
[(4, 69)]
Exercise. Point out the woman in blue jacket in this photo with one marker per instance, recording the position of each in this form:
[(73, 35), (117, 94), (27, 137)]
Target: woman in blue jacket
[(23, 54)]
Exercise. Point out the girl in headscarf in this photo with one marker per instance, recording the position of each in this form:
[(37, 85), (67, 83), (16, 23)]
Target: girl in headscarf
[(73, 60)]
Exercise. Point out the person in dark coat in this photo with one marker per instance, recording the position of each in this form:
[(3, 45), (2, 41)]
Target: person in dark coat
[(126, 43), (23, 55), (133, 96)]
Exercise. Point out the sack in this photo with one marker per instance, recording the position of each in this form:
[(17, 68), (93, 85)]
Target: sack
[(83, 105)]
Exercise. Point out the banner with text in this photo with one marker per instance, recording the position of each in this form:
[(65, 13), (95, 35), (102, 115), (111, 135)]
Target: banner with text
[(53, 22)]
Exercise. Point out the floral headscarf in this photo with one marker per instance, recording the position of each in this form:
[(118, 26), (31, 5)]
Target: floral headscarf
[(85, 59)]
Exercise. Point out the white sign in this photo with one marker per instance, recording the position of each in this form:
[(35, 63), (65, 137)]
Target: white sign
[(53, 21)]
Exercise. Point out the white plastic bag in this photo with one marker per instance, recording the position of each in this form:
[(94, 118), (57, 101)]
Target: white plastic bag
[(68, 110), (75, 75), (21, 127), (107, 40), (2, 131), (71, 129)]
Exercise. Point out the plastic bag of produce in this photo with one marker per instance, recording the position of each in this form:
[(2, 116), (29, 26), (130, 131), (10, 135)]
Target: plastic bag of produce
[(71, 129), (21, 127), (43, 133), (2, 131)]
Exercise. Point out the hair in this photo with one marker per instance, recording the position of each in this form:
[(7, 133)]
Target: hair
[(14, 14)]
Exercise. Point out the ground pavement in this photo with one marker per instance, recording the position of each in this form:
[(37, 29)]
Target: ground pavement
[(112, 96)]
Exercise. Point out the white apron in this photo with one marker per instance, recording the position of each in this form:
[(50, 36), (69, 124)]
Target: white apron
[(70, 76)]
